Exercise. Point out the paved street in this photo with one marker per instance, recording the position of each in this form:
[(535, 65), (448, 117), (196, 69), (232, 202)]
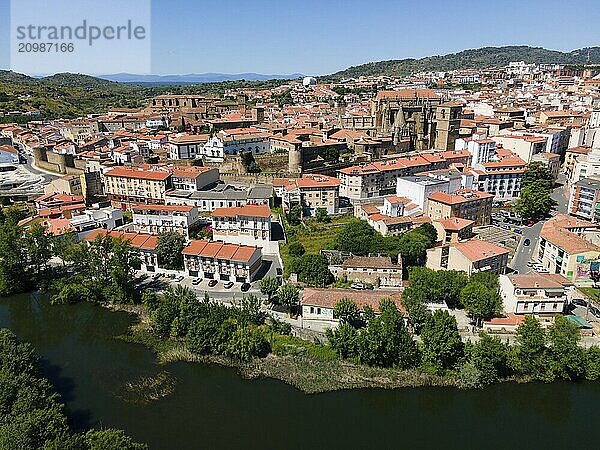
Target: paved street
[(525, 253)]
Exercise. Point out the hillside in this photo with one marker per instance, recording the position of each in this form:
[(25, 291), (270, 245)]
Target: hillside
[(470, 59)]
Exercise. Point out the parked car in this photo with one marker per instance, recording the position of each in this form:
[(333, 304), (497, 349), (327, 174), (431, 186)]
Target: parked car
[(530, 263), (156, 276), (196, 281), (212, 283), (179, 278), (526, 242), (595, 311), (358, 286), (517, 230), (531, 223), (228, 285), (245, 287), (579, 302)]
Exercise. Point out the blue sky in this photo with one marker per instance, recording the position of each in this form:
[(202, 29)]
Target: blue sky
[(319, 37)]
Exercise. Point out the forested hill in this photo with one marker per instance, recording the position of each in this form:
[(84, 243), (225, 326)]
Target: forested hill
[(479, 58)]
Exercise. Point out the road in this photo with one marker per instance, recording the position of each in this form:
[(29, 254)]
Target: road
[(524, 253)]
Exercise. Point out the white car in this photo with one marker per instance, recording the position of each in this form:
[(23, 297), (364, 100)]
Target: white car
[(358, 286)]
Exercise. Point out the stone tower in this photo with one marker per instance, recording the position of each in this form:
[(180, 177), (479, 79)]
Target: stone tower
[(447, 119)]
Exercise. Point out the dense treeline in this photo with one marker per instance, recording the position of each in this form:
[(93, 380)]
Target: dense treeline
[(209, 328), (537, 354), (31, 414), (102, 272), (479, 58)]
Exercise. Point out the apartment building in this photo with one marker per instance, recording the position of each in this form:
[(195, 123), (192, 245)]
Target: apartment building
[(220, 261), (535, 293), (584, 199), (481, 148), (564, 248), (248, 225), (221, 195), (420, 188), (156, 219), (187, 146), (379, 178), (586, 165), (143, 246), (309, 191), (464, 204), (193, 178), (471, 256), (500, 178), (453, 230), (379, 271), (144, 184)]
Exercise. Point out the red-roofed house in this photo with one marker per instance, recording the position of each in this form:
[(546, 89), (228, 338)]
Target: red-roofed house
[(248, 225), (310, 191), (465, 204), (220, 261), (143, 244), (470, 256)]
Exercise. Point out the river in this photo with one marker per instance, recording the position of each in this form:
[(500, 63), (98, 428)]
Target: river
[(212, 407)]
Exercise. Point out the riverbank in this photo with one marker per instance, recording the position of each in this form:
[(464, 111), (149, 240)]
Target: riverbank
[(295, 362)]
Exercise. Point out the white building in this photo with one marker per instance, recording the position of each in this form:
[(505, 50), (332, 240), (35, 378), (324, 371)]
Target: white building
[(482, 150), (187, 146), (156, 219), (419, 188), (248, 225), (535, 293), (106, 218), (236, 141)]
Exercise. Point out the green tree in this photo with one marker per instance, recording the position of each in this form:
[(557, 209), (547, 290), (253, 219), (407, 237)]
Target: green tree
[(39, 247), (481, 302), (246, 343), (344, 339), (535, 172), (296, 249), (347, 312), (313, 269), (321, 215), (441, 344), (489, 356), (592, 363), (289, 295), (181, 128), (530, 356), (294, 216), (568, 358), (169, 248), (428, 230), (535, 201), (268, 286), (357, 237), (386, 342), (111, 439), (14, 271), (413, 248)]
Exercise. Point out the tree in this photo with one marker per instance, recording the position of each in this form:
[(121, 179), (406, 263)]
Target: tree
[(182, 126), (529, 355), (442, 286), (592, 363), (344, 340), (413, 248), (347, 312), (268, 286), (428, 230), (313, 269), (441, 343), (169, 248), (321, 215), (481, 302), (39, 247), (289, 295), (386, 342), (357, 237), (489, 356), (296, 249), (567, 357), (535, 201), (247, 342), (294, 216), (111, 439), (14, 271), (537, 171)]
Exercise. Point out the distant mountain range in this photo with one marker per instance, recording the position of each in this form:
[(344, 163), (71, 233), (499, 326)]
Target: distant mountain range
[(194, 78), (479, 58)]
